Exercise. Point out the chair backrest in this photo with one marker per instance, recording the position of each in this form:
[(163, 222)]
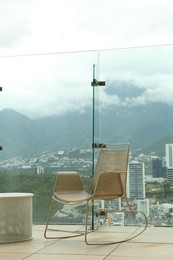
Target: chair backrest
[(68, 182), (113, 158)]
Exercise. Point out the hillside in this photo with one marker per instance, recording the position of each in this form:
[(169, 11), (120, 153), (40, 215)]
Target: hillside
[(146, 127)]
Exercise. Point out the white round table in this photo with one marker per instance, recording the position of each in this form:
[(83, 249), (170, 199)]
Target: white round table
[(15, 217)]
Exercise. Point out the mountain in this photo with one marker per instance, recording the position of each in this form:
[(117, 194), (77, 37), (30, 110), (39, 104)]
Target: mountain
[(25, 137), (21, 136), (146, 127)]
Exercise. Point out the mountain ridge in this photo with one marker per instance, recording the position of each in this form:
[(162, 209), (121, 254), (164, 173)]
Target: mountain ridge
[(145, 127)]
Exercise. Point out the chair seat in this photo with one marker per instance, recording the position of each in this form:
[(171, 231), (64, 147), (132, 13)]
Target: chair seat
[(72, 197)]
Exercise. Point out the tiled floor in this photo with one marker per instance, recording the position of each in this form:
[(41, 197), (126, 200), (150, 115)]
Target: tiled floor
[(154, 243)]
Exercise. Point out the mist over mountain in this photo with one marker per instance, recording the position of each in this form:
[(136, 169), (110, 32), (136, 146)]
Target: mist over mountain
[(146, 127)]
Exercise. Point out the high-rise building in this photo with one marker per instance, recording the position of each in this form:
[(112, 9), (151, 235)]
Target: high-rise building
[(136, 180), (170, 175), (114, 218), (113, 204), (169, 155), (143, 205), (158, 170), (169, 162), (40, 170)]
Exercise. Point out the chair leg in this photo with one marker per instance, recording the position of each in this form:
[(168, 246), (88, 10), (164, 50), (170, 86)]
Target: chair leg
[(86, 222), (121, 241), (74, 233), (86, 229), (135, 212), (48, 219)]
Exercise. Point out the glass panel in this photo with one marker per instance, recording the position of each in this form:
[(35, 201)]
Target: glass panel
[(136, 106), (45, 105), (46, 121)]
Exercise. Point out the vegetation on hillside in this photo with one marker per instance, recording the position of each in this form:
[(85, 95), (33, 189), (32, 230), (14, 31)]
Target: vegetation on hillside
[(41, 185)]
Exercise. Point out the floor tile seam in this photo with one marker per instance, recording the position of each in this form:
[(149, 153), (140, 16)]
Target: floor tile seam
[(131, 257), (10, 253), (116, 247), (33, 253), (150, 243), (70, 254), (112, 232), (131, 242), (122, 243)]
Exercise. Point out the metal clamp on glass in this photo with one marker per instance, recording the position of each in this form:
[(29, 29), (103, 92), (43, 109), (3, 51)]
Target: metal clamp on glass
[(98, 145), (97, 83)]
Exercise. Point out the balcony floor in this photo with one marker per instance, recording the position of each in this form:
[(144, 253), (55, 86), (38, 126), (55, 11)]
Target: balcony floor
[(154, 243)]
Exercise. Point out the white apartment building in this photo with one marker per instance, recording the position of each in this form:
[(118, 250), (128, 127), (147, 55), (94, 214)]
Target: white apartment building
[(169, 162), (169, 155), (170, 175), (40, 170), (136, 180), (144, 205)]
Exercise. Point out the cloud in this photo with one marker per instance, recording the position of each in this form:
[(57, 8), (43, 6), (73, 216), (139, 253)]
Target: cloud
[(45, 84), (14, 22)]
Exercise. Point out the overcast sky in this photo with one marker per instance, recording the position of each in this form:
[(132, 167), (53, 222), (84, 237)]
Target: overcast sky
[(54, 82)]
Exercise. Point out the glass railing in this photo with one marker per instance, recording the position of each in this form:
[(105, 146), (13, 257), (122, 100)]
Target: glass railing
[(52, 118)]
